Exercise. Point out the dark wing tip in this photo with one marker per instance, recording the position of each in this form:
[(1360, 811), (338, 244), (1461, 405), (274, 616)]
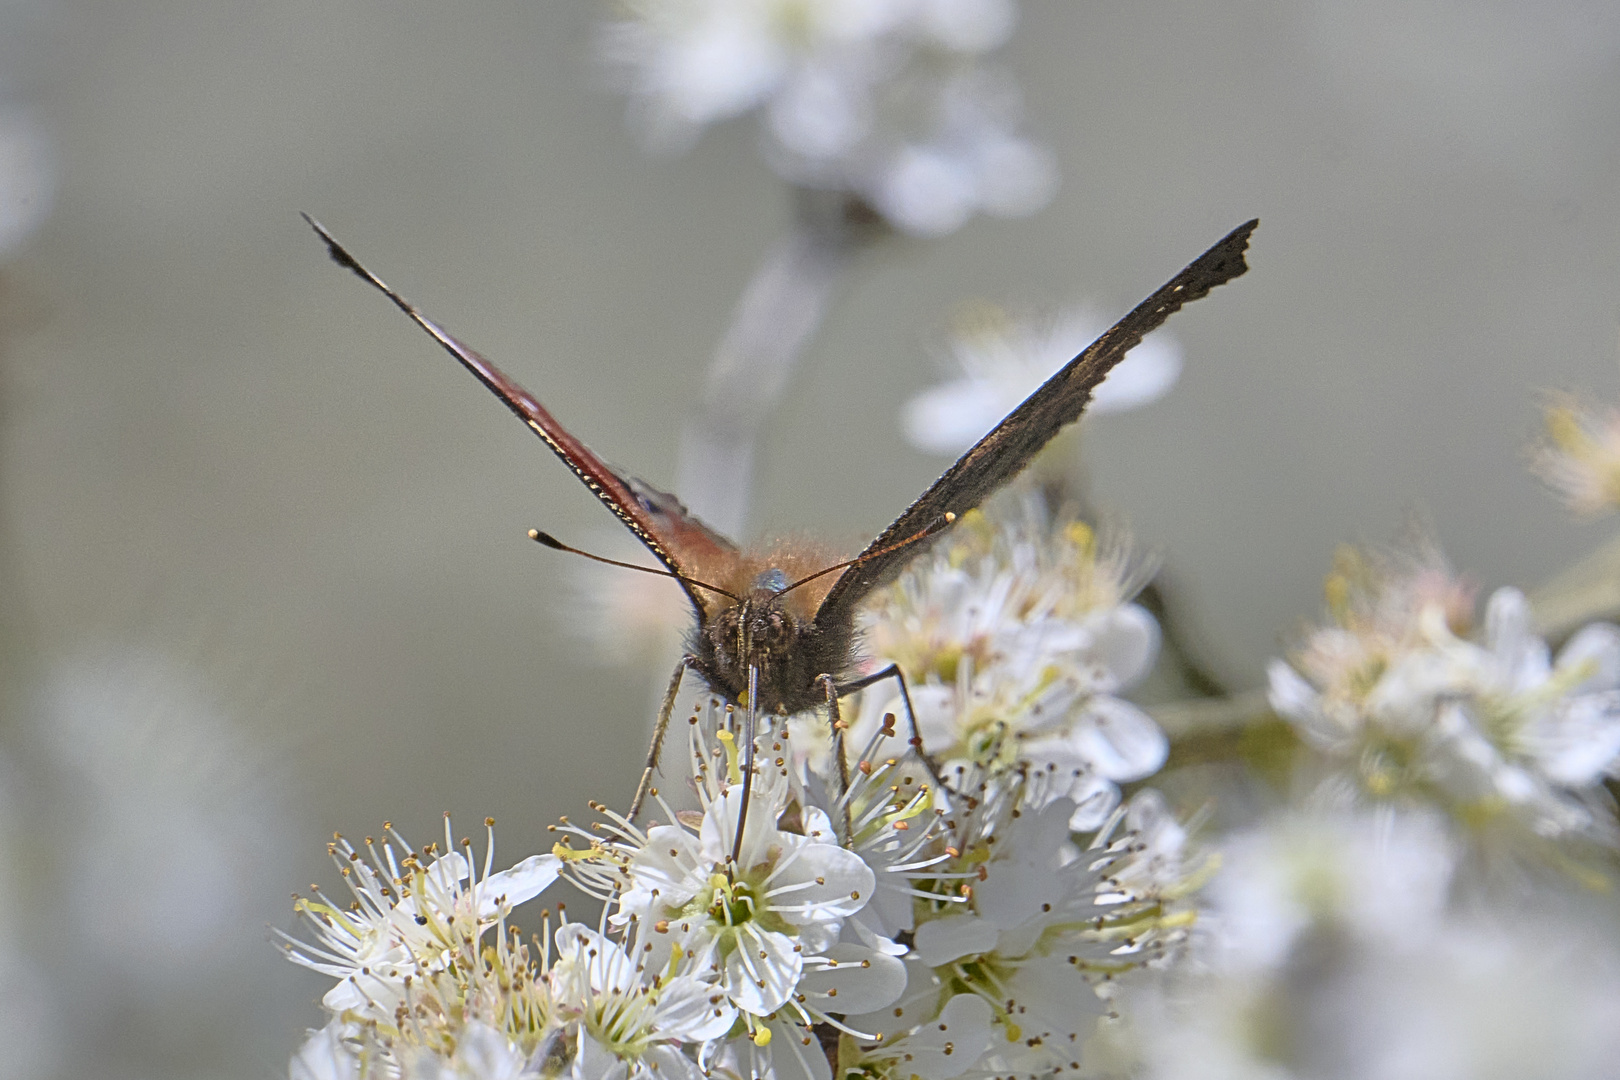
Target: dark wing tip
[(1219, 264), (339, 254), (1236, 243)]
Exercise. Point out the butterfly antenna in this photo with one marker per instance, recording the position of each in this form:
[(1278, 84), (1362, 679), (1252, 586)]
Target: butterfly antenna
[(547, 540), (941, 523)]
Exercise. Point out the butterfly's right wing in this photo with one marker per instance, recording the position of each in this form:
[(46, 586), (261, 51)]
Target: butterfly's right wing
[(1003, 453), (680, 541)]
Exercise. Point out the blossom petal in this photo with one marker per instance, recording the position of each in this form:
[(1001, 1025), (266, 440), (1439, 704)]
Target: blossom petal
[(519, 883), (602, 960), (1094, 799), (1121, 742), (1125, 641), (483, 1052), (951, 417), (917, 1004), (939, 941), (952, 1044), (1582, 744), (762, 970), (852, 979), (1597, 646), (1287, 692), (324, 1057), (818, 882), (670, 1064), (1509, 636), (447, 872), (663, 866), (796, 1053), (687, 1011)]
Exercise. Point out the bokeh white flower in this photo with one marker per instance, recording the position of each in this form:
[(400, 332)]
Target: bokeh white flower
[(890, 101), (1578, 454), (1489, 727), (28, 177), (1333, 947)]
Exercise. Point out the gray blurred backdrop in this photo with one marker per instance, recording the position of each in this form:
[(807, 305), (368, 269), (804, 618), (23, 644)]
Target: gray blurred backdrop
[(241, 491)]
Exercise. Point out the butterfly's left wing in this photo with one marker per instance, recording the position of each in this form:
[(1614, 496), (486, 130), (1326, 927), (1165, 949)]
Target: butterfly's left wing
[(1003, 453), (680, 541)]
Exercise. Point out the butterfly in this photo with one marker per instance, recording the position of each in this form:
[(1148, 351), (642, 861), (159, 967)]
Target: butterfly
[(775, 628)]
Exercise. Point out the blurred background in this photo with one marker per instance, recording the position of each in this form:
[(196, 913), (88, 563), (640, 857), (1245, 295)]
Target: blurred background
[(262, 546)]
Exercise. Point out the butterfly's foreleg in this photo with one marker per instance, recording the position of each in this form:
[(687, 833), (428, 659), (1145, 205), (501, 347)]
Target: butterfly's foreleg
[(656, 749), (893, 671), (835, 720), (750, 732)]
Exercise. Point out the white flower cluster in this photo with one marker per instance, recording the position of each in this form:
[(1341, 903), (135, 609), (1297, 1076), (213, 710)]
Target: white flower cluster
[(888, 100), (1016, 641), (1494, 730), (826, 914), (1579, 454), (1331, 949)]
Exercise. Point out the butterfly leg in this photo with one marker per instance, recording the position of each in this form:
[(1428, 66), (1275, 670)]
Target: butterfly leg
[(656, 749), (893, 671), (750, 718), (835, 720)]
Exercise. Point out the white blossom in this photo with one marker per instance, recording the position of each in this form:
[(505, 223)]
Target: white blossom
[(1492, 728), (1488, 996), (617, 1020), (764, 917), (1333, 948), (887, 100), (325, 1056), (480, 1053), (410, 913), (1044, 930), (1381, 879), (1017, 637), (1579, 454)]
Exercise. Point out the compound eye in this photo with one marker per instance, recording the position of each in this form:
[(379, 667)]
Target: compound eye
[(772, 580)]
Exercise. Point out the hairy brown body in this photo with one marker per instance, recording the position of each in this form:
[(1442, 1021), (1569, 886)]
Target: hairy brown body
[(762, 625), (788, 653)]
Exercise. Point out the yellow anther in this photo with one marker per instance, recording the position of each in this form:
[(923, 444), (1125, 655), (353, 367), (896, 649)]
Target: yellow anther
[(1081, 536), (733, 769), (569, 854)]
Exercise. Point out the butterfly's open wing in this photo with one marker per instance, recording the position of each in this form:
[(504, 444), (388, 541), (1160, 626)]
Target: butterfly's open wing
[(680, 541), (1003, 453)]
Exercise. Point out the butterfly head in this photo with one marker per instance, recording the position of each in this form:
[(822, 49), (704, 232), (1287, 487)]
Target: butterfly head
[(769, 583), (767, 622)]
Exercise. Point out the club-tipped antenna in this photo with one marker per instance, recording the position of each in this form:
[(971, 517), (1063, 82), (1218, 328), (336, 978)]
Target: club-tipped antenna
[(545, 539), (940, 523)]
